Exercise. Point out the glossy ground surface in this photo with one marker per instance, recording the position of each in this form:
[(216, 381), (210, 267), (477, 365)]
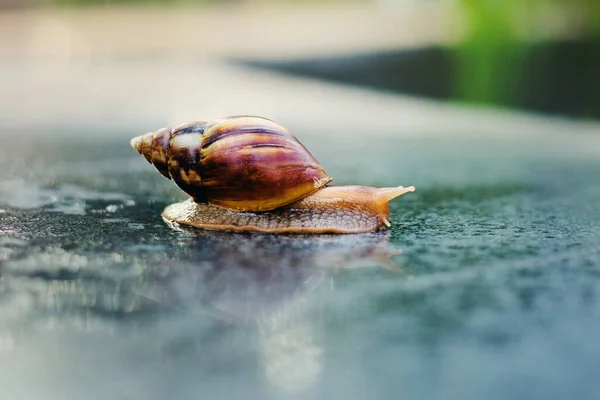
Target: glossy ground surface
[(485, 287)]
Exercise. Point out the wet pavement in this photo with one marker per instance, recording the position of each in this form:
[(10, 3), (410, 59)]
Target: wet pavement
[(485, 287)]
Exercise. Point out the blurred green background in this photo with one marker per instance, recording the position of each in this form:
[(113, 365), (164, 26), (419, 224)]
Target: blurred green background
[(510, 43)]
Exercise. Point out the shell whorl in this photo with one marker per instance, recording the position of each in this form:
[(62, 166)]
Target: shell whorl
[(244, 163)]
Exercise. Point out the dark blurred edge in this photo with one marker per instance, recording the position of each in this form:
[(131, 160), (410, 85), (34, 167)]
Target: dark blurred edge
[(560, 78)]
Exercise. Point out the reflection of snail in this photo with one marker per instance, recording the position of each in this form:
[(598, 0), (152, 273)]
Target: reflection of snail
[(276, 289), (250, 174)]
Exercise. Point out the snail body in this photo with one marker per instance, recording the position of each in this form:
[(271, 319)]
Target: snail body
[(335, 209), (250, 174)]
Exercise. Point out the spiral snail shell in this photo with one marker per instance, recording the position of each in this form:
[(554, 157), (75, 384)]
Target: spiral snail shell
[(243, 163), (247, 173)]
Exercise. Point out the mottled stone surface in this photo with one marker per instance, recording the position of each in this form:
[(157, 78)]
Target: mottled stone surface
[(487, 286)]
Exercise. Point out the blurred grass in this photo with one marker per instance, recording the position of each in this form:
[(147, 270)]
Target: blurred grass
[(483, 74), (498, 49)]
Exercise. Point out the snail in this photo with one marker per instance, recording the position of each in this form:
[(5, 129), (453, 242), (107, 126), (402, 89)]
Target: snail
[(250, 174)]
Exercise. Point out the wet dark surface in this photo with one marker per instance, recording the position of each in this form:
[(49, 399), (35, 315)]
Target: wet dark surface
[(485, 287)]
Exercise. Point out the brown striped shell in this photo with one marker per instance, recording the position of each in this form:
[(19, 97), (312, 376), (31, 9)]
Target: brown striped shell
[(244, 163)]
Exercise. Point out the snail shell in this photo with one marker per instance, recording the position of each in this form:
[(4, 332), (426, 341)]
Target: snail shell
[(243, 163), (251, 174)]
